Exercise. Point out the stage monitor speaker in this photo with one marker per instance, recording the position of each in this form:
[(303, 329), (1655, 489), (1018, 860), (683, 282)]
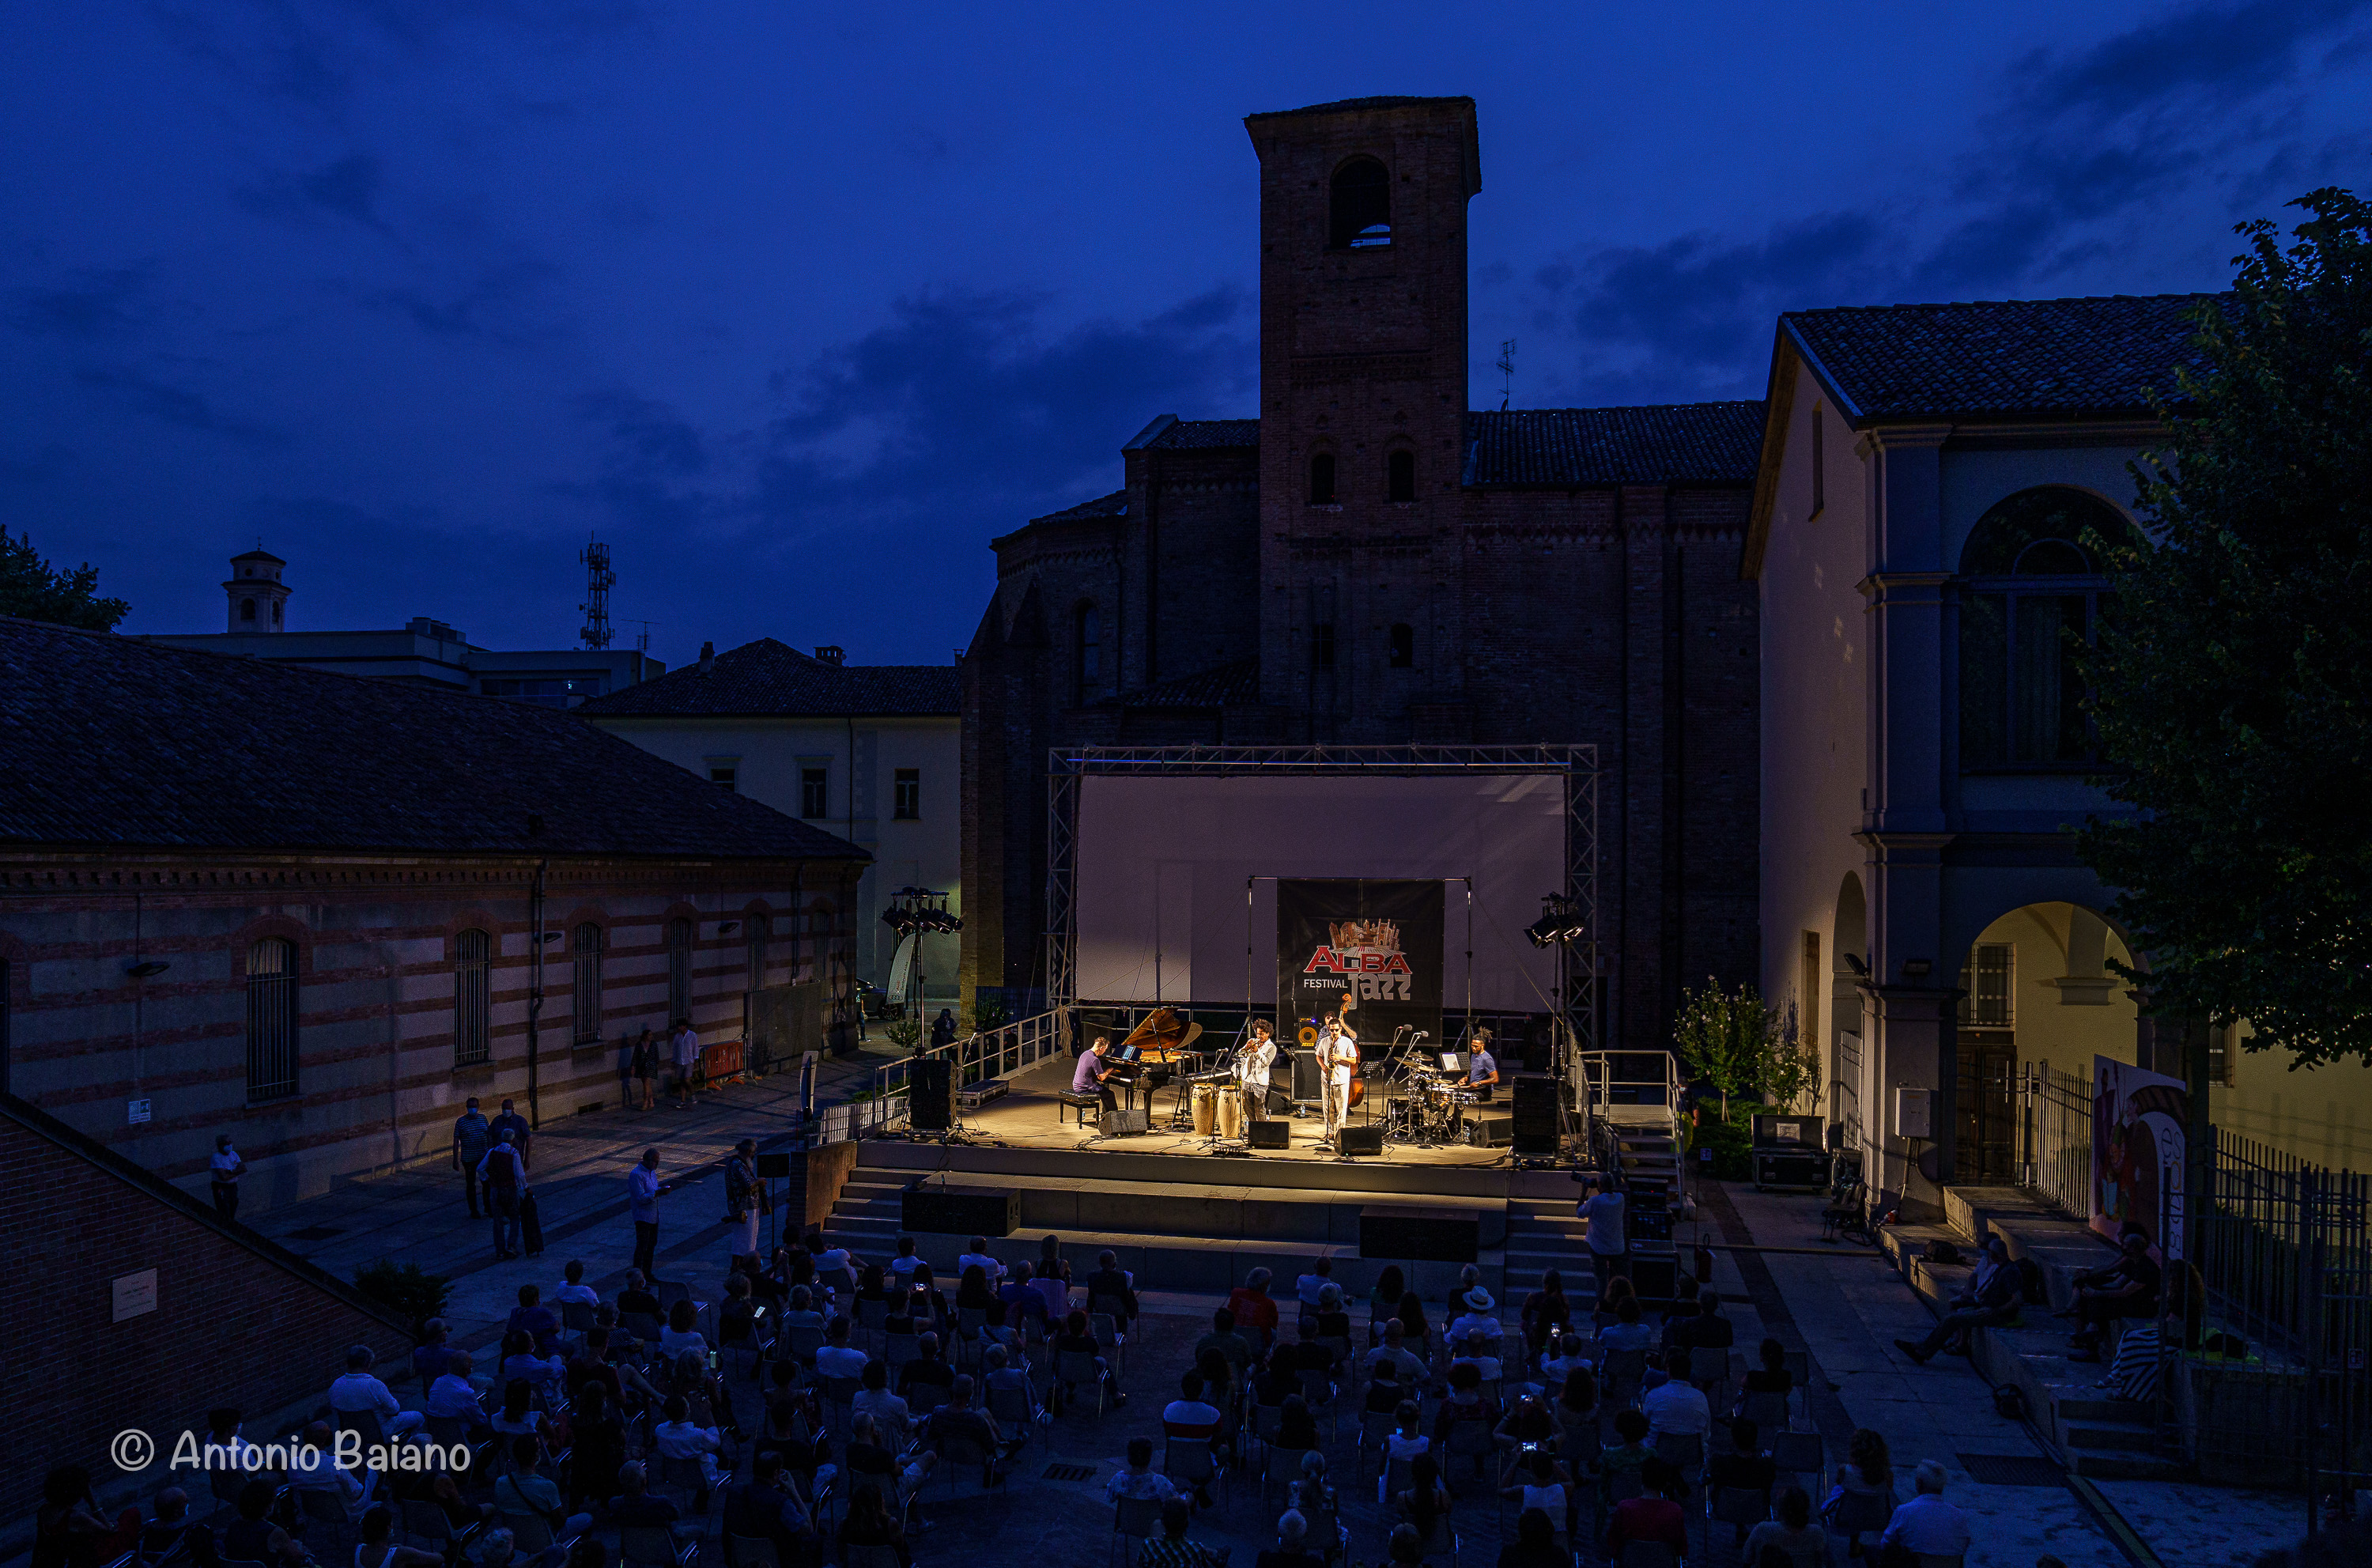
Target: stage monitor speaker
[(1535, 1114), (1492, 1131), (1124, 1123), (1308, 1083), (1418, 1236), (1268, 1135), (1654, 1278), (961, 1210), (1359, 1141), (930, 1094), (773, 1168)]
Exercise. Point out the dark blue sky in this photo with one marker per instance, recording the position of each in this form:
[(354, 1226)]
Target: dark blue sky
[(797, 311)]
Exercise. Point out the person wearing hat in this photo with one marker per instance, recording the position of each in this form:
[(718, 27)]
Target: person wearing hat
[(1480, 1317), (746, 1198), (227, 1168)]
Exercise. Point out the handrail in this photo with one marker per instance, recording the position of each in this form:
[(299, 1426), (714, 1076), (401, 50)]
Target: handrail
[(984, 1054)]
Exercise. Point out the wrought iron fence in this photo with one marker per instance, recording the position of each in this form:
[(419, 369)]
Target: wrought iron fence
[(2055, 1135)]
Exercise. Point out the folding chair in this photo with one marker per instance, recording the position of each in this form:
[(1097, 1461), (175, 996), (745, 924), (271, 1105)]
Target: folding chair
[(425, 1521), (1767, 1411), (802, 1342), (971, 1326), (1373, 1427), (670, 1292), (1684, 1451), (1105, 1327), (1798, 1454), (1740, 1507), (577, 1320), (1189, 1460), (1468, 1439), (1276, 1460), (655, 1546), (688, 1480), (873, 1317), (840, 1394), (1619, 1374), (1317, 1393), (1799, 1370), (897, 1350), (959, 1454), (643, 1326), (1133, 1519), (1859, 1513), (1072, 1367), (1009, 1408)]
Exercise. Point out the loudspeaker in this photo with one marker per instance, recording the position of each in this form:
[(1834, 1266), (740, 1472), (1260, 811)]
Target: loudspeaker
[(1492, 1131), (1656, 1278), (1268, 1135), (774, 1167), (1308, 1083), (961, 1210), (1350, 1139), (1418, 1236), (930, 1095), (1121, 1124), (1535, 1115)]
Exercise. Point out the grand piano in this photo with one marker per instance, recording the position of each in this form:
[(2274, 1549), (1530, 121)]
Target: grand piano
[(1157, 1053)]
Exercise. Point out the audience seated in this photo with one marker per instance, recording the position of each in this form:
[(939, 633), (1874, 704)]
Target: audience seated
[(1224, 1339), (958, 1419), (1138, 1478), (523, 1490), (359, 1391), (870, 1522), (980, 1258), (1111, 1281), (636, 1296), (1627, 1331), (1408, 1438), (575, 1292), (1802, 1543), (871, 1459), (637, 1504), (252, 1537), (677, 1437), (873, 1398), (597, 1447), (429, 1356), (1626, 1457), (1394, 1349), (1673, 1407), (316, 1469), (926, 1370), (1425, 1500), (835, 1357), (1746, 1467), (768, 1507), (1535, 1545), (1252, 1308), (1771, 1376), (998, 1373), (1653, 1515), (1928, 1525), (1171, 1549), (539, 1322), (1292, 1549), (1075, 1340)]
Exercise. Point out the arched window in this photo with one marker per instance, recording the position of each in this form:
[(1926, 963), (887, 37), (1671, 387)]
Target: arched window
[(585, 995), (1359, 209), (271, 1018), (246, 609), (2032, 595), (1321, 479), (678, 962), (474, 979), (1089, 640), (1404, 647), (1400, 476)]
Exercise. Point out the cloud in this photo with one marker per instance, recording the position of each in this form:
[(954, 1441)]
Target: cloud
[(97, 304), (174, 405), (484, 306), (345, 188)]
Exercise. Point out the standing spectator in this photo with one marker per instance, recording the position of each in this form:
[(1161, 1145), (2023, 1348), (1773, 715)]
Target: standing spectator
[(643, 1197), (685, 1045), (646, 1061), (1601, 1207), (511, 1121), (746, 1199), (472, 1138), (943, 1030), (227, 1168), (1927, 1526), (505, 1175)]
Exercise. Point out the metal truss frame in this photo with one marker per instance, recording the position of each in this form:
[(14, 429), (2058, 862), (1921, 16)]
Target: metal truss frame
[(1578, 963)]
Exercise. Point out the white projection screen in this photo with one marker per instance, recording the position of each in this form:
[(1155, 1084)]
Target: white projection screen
[(1162, 861)]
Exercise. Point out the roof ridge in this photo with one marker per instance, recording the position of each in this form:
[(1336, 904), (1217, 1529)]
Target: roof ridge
[(1987, 304)]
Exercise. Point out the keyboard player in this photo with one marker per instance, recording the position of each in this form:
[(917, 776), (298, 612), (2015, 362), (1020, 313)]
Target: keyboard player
[(1091, 1072)]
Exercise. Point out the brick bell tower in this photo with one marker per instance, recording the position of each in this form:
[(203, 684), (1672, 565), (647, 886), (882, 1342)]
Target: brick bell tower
[(1363, 415)]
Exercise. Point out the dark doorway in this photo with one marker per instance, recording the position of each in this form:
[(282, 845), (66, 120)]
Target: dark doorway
[(1986, 1150)]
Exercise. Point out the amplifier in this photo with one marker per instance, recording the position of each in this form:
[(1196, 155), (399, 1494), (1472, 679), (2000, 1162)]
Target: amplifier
[(1418, 1236), (930, 1095), (1308, 1083), (1654, 1278), (1359, 1141), (1268, 1135), (1797, 1131), (1494, 1132), (1535, 1114), (961, 1210), (1123, 1123), (1804, 1169)]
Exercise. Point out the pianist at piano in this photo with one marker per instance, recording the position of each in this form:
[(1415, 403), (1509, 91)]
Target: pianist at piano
[(1092, 1072)]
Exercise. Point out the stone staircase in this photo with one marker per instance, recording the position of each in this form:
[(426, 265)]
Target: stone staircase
[(1544, 1233)]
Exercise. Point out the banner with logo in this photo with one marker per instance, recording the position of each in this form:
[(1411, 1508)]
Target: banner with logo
[(2138, 1151), (1374, 946)]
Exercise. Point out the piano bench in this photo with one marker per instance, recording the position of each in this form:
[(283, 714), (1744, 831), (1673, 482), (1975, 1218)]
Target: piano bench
[(1083, 1104)]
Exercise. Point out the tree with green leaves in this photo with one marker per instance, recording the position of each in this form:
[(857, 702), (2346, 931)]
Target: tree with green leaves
[(1726, 1038), (1792, 1066), (32, 589), (2232, 687)]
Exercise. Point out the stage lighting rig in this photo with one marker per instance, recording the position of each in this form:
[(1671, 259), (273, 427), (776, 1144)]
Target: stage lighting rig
[(1560, 923)]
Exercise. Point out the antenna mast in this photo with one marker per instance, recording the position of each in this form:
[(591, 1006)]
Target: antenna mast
[(598, 581), (1507, 364)]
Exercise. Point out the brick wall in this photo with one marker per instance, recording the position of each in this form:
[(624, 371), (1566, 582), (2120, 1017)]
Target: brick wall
[(231, 1326)]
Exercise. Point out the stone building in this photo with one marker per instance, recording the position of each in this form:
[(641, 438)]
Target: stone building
[(1370, 562), (317, 913)]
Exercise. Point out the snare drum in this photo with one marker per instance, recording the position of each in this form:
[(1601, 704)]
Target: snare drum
[(1231, 1110), (1206, 1103)]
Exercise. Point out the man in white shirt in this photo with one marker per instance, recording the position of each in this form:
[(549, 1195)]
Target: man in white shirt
[(1337, 1054), (890, 1417), (1480, 1317), (676, 1438), (835, 1357), (905, 1263), (1395, 1350), (979, 1254), (1309, 1285), (315, 1468), (1476, 1352), (643, 1201), (685, 1046), (1601, 1207), (1927, 1524), (1481, 1067), (227, 1168), (360, 1390), (1673, 1408), (454, 1395), (576, 1290), (1253, 1069)]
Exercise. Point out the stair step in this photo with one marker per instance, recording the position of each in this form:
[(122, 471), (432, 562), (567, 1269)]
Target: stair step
[(2128, 1435), (2112, 1464), (2078, 1408)]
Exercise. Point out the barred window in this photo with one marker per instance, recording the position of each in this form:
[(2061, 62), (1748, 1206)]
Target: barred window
[(679, 961), (585, 1002), (474, 977), (1987, 979), (271, 1018)]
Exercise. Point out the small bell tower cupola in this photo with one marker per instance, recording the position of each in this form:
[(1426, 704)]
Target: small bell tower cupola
[(258, 597)]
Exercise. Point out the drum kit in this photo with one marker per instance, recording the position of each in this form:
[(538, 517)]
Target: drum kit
[(1428, 1107)]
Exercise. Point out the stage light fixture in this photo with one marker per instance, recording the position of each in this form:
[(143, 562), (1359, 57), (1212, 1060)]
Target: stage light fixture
[(1560, 921)]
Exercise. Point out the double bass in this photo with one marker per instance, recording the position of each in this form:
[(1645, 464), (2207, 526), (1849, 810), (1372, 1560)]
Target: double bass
[(1360, 1070)]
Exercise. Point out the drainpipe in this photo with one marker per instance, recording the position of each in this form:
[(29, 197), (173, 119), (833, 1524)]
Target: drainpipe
[(534, 990)]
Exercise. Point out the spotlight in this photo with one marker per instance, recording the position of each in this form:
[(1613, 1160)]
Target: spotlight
[(1560, 921), (899, 919)]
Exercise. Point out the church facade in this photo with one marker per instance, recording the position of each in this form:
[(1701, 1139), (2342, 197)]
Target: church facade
[(1371, 562)]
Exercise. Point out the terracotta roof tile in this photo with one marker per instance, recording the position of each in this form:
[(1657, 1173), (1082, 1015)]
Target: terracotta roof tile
[(770, 677)]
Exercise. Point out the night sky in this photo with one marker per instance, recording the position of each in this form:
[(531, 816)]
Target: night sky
[(798, 306)]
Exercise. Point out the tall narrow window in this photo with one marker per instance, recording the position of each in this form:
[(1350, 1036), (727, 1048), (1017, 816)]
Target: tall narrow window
[(1321, 645), (815, 792), (586, 993), (1404, 647), (1090, 663), (1359, 206), (1811, 981), (2032, 599), (474, 977), (1992, 970), (1400, 476), (246, 609), (1321, 479), (678, 962), (908, 804), (271, 1018)]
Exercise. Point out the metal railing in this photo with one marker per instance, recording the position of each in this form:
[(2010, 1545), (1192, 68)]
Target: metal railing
[(2055, 1135), (990, 1053)]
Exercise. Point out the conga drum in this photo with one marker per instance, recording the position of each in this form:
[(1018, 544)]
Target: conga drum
[(1231, 1110), (1206, 1109)]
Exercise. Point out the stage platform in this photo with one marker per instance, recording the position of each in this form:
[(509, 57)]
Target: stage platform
[(1186, 1217)]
